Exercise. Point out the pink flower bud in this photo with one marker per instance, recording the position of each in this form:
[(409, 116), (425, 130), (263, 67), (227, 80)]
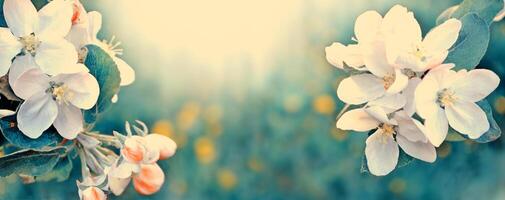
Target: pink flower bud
[(149, 180), (93, 193), (134, 149), (165, 145)]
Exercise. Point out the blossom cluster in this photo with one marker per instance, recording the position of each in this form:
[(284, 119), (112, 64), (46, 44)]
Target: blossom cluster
[(60, 76), (402, 89)]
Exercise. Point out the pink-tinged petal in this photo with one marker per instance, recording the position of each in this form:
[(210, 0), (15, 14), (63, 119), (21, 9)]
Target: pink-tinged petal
[(134, 149), (95, 24), (408, 127), (21, 16), (79, 15), (409, 95), (381, 153), (359, 89), (10, 47), (37, 114), (467, 118), (20, 65), (69, 122), (401, 81), (118, 185), (125, 71), (93, 193), (55, 56), (55, 20), (149, 180), (165, 145), (437, 127), (476, 85), (367, 26), (442, 37), (31, 82), (390, 103), (421, 150), (357, 120), (83, 86)]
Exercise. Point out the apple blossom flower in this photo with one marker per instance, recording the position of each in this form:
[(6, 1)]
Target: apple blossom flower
[(381, 149), (40, 35), (406, 48), (85, 30), (55, 100), (445, 97)]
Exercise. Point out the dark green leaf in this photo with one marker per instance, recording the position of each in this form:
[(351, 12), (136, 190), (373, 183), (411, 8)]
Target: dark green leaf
[(485, 9), (10, 131), (102, 66), (30, 162), (60, 172), (471, 44), (494, 131)]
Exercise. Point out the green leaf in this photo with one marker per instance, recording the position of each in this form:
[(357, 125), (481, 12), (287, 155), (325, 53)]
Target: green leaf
[(30, 162), (60, 172), (10, 131), (494, 131), (471, 44), (486, 9), (104, 69)]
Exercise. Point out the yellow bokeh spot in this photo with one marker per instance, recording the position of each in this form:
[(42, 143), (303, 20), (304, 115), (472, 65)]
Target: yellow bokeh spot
[(292, 103), (188, 115), (255, 165), (397, 185), (338, 134), (324, 104), (444, 150), (499, 105), (164, 127), (227, 179), (205, 150)]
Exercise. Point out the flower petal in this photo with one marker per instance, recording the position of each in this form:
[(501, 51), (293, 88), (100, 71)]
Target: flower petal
[(10, 47), (69, 122), (84, 88), (335, 54), (379, 114), (357, 120), (125, 71), (401, 31), (164, 144), (420, 150), (54, 56), (37, 114), (95, 24), (360, 88), (55, 19), (118, 185), (381, 153), (401, 81), (31, 82), (149, 180), (367, 26), (476, 85), (426, 95), (467, 118), (79, 35), (408, 128), (437, 127), (375, 59), (390, 103), (20, 65), (21, 16), (442, 37), (354, 57), (409, 92), (93, 193)]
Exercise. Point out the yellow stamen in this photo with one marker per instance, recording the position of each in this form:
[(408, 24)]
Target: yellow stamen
[(446, 97), (388, 80), (30, 43)]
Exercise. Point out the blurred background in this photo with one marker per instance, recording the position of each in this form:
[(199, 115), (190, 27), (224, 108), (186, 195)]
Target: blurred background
[(244, 89)]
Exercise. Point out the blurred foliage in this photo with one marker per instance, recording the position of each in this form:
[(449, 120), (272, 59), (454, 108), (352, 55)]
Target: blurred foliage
[(278, 140)]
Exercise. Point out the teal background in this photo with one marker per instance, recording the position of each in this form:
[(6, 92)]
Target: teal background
[(276, 138)]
